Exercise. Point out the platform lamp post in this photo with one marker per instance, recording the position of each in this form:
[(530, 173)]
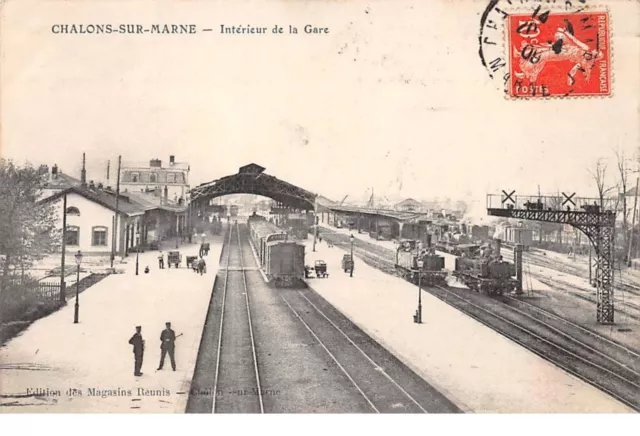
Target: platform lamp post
[(351, 238), (78, 257), (419, 313), (137, 250)]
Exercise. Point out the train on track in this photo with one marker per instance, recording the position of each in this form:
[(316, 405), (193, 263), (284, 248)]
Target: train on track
[(487, 275), (416, 264), (281, 259), (479, 267), (233, 210)]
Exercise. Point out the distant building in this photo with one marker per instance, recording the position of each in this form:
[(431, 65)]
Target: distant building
[(631, 199), (170, 182), (409, 205)]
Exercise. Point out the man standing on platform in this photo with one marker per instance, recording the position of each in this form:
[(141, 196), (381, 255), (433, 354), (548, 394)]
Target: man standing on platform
[(168, 339), (161, 260), (138, 350)]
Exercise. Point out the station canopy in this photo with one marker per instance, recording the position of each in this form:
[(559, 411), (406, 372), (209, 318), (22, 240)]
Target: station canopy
[(251, 179)]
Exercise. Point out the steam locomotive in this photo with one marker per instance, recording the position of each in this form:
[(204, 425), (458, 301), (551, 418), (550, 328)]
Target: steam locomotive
[(486, 272), (415, 263)]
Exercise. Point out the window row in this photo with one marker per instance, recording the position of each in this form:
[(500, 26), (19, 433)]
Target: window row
[(98, 236), (153, 178)]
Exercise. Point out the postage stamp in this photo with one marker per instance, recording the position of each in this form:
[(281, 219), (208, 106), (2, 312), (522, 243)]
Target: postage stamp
[(558, 54)]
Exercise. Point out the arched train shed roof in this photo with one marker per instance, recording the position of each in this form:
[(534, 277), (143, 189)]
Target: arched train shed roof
[(251, 179)]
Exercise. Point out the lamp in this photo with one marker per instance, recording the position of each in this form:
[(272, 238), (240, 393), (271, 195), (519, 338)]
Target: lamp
[(137, 250), (351, 238), (78, 257), (418, 318)]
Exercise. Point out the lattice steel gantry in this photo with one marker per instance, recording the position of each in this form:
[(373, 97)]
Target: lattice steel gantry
[(594, 218)]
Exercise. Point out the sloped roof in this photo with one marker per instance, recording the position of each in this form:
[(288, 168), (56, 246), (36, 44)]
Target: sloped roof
[(409, 202), (105, 198), (62, 181), (631, 192), (151, 202)]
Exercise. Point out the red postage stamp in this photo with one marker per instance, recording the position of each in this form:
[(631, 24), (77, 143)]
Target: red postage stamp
[(559, 54)]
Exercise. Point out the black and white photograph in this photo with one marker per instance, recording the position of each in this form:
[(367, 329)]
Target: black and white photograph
[(320, 207)]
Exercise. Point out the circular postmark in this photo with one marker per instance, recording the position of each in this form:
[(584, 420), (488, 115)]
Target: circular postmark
[(546, 48)]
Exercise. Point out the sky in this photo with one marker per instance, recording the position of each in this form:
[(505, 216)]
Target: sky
[(394, 98)]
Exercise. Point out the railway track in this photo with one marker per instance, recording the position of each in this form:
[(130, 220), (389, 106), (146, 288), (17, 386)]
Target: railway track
[(384, 385), (587, 355), (237, 379), (535, 259), (570, 348), (628, 309)]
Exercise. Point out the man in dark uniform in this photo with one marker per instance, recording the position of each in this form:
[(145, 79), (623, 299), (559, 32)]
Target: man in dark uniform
[(138, 350), (202, 266), (168, 339)]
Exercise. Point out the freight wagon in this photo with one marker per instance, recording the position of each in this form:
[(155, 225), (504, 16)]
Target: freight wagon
[(281, 259)]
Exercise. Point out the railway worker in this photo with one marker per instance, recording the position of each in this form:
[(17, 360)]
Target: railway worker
[(202, 265), (168, 345), (138, 350), (161, 260)]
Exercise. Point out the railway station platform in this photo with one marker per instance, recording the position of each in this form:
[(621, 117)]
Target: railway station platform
[(478, 369), (56, 366)]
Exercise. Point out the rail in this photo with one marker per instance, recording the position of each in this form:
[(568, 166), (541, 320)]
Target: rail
[(229, 268), (253, 344)]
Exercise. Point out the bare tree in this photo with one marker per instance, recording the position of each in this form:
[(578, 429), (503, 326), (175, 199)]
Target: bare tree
[(624, 171), (599, 175)]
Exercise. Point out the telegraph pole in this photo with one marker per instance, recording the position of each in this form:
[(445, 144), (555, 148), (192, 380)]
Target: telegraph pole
[(633, 219), (315, 221), (115, 222), (63, 285)]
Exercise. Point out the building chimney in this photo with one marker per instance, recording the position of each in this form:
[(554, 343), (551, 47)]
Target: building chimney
[(83, 173), (155, 163), (172, 159), (54, 172), (92, 186)]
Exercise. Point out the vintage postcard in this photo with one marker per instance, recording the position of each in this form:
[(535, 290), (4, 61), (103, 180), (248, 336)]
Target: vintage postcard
[(270, 206)]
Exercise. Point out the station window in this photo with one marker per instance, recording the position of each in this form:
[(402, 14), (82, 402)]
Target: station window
[(73, 211), (153, 178), (99, 236), (135, 177), (72, 235), (171, 178)]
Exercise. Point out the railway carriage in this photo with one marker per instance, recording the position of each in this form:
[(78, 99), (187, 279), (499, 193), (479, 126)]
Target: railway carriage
[(284, 263), (281, 259)]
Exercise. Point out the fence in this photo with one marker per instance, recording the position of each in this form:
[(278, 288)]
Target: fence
[(42, 290), (47, 291)]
